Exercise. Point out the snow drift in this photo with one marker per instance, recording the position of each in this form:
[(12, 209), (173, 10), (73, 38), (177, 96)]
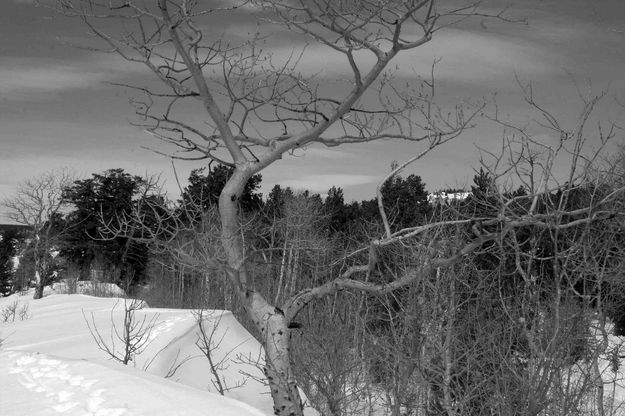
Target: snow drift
[(50, 363)]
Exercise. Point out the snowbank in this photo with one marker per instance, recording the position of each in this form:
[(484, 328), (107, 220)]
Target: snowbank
[(40, 384), (51, 363)]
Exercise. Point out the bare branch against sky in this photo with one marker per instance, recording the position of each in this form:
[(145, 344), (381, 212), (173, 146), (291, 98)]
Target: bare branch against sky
[(57, 107)]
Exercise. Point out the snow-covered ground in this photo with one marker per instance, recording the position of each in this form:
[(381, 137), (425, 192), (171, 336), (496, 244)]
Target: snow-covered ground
[(50, 363), (87, 287)]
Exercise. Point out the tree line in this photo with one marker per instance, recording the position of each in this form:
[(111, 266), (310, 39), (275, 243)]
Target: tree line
[(77, 240)]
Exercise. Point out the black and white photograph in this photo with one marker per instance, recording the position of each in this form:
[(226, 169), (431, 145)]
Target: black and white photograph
[(312, 207)]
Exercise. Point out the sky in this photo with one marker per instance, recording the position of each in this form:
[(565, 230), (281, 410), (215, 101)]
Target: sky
[(58, 107)]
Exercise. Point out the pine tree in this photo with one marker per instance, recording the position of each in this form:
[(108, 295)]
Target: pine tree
[(204, 189), (110, 196), (8, 249), (406, 201)]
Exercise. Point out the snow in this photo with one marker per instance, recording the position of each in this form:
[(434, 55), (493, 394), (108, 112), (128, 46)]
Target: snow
[(86, 287), (41, 384), (440, 197), (50, 363), (610, 364)]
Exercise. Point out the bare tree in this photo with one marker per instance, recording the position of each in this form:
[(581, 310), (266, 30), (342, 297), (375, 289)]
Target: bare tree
[(259, 109), (134, 336), (38, 204)]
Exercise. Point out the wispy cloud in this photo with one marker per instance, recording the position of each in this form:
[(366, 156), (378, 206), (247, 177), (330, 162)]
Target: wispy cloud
[(467, 56), (34, 77), (324, 153), (323, 182), (471, 56), (21, 77)]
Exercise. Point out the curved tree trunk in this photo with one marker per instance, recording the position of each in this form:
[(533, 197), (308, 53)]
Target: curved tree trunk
[(276, 340), (268, 319)]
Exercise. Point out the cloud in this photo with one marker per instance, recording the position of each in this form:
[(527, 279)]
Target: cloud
[(323, 182), (470, 56), (34, 77), (323, 153), (27, 76), (467, 56)]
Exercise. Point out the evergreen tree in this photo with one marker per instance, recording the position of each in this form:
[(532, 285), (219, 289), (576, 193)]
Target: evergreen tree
[(203, 191), (110, 197), (483, 184), (9, 240), (334, 207), (276, 200), (405, 201)]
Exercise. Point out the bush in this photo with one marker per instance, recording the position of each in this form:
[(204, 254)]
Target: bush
[(12, 311)]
